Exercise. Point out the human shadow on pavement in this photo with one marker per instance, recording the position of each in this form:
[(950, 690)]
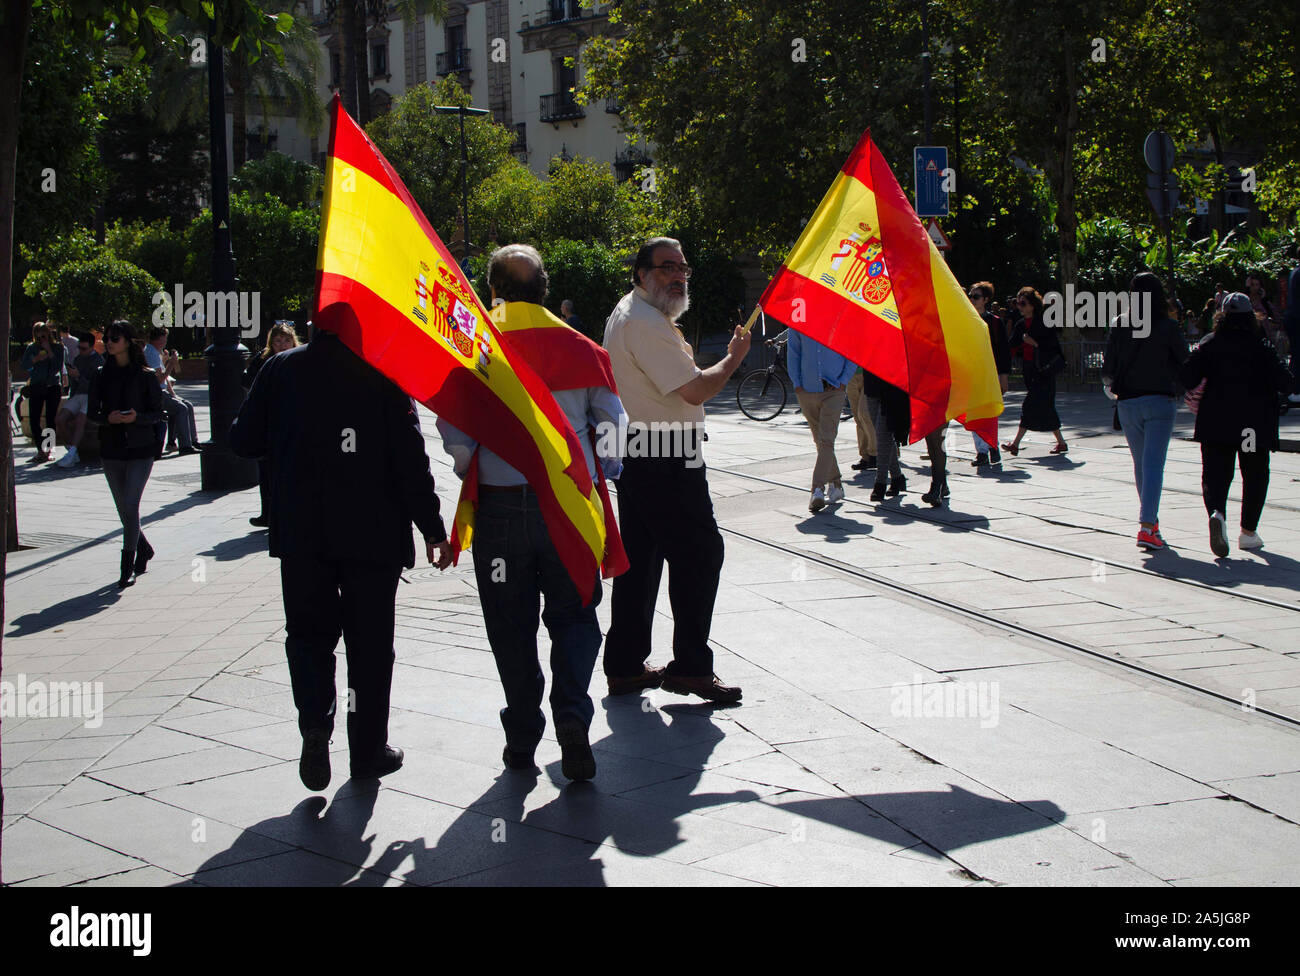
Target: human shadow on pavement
[(66, 611), (338, 829), (1257, 568), (230, 550)]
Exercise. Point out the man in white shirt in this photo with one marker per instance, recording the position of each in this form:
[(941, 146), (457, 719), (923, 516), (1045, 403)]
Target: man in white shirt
[(665, 511)]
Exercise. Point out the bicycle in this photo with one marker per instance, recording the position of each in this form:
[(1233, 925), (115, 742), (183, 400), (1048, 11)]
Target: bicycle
[(762, 393)]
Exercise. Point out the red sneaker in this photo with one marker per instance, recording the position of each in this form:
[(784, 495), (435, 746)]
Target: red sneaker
[(1151, 539)]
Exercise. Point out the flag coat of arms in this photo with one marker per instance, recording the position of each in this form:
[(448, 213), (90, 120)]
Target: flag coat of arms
[(396, 297), (866, 280)]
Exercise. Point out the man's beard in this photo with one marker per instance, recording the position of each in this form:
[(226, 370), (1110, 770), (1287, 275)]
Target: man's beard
[(664, 298)]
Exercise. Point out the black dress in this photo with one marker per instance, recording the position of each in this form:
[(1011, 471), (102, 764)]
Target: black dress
[(1040, 367)]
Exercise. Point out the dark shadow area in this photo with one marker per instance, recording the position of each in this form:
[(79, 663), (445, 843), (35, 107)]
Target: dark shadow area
[(1258, 568), (233, 549), (65, 612)]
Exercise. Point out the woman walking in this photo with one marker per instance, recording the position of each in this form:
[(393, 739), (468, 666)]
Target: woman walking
[(280, 338), (126, 400), (1144, 352), (1237, 418), (43, 363), (1042, 358)]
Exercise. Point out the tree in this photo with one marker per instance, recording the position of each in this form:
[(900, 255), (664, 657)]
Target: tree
[(588, 274), (90, 294), (296, 183), (424, 148)]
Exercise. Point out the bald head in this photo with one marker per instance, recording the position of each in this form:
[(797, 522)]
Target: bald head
[(515, 274)]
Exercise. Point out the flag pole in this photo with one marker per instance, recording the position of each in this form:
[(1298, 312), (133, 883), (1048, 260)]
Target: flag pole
[(753, 317)]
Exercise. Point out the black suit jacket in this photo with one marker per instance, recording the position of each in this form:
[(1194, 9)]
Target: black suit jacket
[(347, 468)]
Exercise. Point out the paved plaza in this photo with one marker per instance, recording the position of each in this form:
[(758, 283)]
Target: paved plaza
[(884, 738)]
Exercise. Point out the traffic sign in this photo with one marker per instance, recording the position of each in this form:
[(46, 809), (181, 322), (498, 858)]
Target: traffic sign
[(937, 235), (1163, 194), (1158, 151), (929, 164)]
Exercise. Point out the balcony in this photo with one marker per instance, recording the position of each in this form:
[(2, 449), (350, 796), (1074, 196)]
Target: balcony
[(626, 164), (558, 11), (561, 107), (613, 106), (450, 62)]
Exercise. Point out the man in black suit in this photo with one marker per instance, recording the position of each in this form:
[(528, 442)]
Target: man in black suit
[(348, 475)]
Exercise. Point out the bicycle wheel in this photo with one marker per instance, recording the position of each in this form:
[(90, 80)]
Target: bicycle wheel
[(761, 394)]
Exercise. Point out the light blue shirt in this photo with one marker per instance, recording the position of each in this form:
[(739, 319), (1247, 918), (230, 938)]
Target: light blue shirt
[(586, 408), (809, 363), (153, 358)]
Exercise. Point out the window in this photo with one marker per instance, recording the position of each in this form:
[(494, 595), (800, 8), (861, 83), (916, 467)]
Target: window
[(378, 60), (335, 69)]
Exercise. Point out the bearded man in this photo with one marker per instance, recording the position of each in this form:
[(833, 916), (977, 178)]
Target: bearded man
[(664, 507)]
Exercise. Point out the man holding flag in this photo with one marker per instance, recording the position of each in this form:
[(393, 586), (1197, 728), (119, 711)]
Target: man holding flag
[(515, 561)]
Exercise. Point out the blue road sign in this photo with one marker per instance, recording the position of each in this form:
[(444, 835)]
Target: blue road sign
[(929, 163)]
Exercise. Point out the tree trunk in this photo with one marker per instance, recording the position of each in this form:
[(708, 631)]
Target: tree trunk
[(348, 36), (13, 52), (239, 113), (1067, 220), (362, 62)]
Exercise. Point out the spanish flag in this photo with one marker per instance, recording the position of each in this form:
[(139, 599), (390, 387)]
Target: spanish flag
[(865, 279), (395, 296)]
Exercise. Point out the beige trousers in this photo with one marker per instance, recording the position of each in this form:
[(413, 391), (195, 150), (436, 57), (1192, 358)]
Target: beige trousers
[(858, 404), (822, 411)]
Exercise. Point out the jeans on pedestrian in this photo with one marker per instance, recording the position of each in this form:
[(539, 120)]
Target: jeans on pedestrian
[(886, 446), (180, 416), (516, 567), (126, 480), (1148, 423)]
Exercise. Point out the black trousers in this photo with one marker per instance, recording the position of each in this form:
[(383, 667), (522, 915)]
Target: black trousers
[(938, 457), (324, 600), (515, 565), (42, 400), (666, 515), (1217, 464)]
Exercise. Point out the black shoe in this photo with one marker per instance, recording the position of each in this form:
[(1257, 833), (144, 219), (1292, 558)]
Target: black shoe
[(314, 764), (143, 553), (897, 486), (518, 760), (981, 461), (995, 456), (576, 762), (934, 496), (261, 521), (945, 493), (388, 761), (128, 566), (187, 450), (864, 464), (171, 445), (878, 492)]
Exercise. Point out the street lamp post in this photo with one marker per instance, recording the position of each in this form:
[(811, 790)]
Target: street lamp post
[(221, 469), (462, 111)]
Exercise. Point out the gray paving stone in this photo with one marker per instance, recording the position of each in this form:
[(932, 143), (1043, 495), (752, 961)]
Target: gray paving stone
[(785, 862), (36, 851), (154, 774)]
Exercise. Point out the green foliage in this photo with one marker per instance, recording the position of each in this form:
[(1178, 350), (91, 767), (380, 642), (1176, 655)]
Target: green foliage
[(504, 208), (581, 202), (590, 275), (717, 289), (294, 183), (275, 254), (90, 294), (424, 147), (155, 247)]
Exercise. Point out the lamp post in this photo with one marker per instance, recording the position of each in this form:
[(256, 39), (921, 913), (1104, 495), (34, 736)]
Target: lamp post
[(221, 469), (462, 111)]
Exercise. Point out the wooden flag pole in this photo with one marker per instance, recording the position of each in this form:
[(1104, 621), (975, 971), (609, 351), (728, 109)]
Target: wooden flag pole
[(753, 317)]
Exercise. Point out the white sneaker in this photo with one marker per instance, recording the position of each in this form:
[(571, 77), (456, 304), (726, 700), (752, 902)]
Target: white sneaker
[(835, 494), (1249, 540), (1219, 535), (817, 502), (68, 460)]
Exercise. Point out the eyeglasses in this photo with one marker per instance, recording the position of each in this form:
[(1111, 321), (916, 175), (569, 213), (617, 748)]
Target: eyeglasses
[(672, 266)]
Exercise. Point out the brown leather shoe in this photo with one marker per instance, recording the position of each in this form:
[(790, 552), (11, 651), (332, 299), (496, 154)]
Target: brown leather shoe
[(648, 678), (709, 688)]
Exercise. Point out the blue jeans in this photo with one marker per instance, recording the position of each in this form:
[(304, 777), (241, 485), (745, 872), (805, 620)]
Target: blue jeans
[(1148, 423), (515, 565)]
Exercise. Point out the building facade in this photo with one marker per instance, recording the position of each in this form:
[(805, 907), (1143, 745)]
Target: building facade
[(519, 59)]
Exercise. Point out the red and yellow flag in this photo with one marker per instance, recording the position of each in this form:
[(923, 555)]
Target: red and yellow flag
[(865, 279), (396, 297)]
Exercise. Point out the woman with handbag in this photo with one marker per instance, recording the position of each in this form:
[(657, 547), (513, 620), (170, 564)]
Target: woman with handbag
[(1144, 352), (126, 400), (1040, 352), (1237, 418)]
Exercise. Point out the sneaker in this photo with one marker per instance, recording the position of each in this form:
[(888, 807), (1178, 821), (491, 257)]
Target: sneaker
[(835, 494), (817, 502), (1218, 535), (1249, 540), (68, 460), (314, 765), (1151, 539), (576, 759), (981, 461)]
